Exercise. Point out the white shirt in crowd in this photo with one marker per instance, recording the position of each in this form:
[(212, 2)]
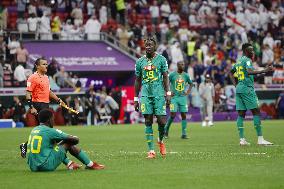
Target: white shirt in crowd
[(19, 73), (176, 54), (174, 20), (13, 45), (93, 28), (103, 14), (90, 8), (268, 40), (32, 23), (154, 11), (267, 56), (165, 10)]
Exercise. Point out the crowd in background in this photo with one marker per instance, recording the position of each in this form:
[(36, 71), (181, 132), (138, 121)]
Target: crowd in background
[(95, 107), (206, 34)]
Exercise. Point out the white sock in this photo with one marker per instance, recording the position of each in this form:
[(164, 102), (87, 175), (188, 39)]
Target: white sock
[(68, 164), (260, 138), (152, 151), (90, 164)]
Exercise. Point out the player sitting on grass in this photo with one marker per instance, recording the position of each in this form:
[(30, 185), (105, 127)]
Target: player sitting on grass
[(246, 98), (47, 147)]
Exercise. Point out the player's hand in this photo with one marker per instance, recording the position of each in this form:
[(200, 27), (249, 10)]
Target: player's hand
[(61, 103), (136, 106), (33, 111), (268, 68)]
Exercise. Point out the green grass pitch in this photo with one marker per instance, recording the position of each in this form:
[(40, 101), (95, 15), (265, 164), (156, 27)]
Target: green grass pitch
[(211, 158)]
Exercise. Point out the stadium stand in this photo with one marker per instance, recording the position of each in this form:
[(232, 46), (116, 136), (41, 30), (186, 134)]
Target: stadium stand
[(207, 35)]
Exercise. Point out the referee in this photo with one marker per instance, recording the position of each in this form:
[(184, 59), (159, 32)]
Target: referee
[(38, 88), (38, 93)]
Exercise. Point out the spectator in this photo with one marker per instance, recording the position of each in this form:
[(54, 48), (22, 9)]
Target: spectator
[(120, 8), (206, 91), (1, 72), (267, 55), (22, 55), (280, 105), (165, 10), (268, 40), (20, 76), (13, 45), (103, 14), (77, 15), (91, 106), (44, 27), (90, 8), (177, 55), (3, 17), (155, 12), (62, 78), (19, 112), (33, 23), (123, 35), (92, 28), (174, 19), (112, 107), (56, 27), (164, 28), (21, 7)]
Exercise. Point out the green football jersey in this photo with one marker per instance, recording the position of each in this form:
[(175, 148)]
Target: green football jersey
[(151, 72), (245, 81), (42, 141), (179, 82)]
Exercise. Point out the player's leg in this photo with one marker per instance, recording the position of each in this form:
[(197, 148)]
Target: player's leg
[(241, 108), (257, 126), (146, 107), (168, 124), (160, 112), (82, 156), (183, 108), (149, 135), (204, 113), (183, 125), (161, 119)]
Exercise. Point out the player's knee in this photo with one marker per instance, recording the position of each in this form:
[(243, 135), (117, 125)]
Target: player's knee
[(183, 116)]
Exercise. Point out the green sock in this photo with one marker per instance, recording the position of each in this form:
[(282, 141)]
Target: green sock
[(161, 129), (240, 124), (83, 157), (183, 126), (257, 125), (66, 161), (149, 137), (168, 124)]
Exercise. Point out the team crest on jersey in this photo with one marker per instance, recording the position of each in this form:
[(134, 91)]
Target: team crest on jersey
[(149, 67), (180, 80)]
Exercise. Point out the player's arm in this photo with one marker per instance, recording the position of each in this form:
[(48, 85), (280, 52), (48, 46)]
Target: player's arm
[(73, 140), (231, 75), (256, 72), (167, 87), (137, 85)]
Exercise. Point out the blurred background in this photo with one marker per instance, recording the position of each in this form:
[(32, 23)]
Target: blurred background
[(92, 46)]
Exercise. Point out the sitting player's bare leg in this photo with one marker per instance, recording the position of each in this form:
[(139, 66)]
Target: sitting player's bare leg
[(82, 156), (257, 126), (168, 124)]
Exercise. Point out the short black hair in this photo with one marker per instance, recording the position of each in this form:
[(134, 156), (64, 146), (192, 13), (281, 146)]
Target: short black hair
[(150, 38), (245, 46), (45, 115), (38, 60)]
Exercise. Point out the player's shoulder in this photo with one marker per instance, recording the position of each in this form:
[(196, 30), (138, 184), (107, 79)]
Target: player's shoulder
[(161, 57), (140, 59), (34, 75)]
